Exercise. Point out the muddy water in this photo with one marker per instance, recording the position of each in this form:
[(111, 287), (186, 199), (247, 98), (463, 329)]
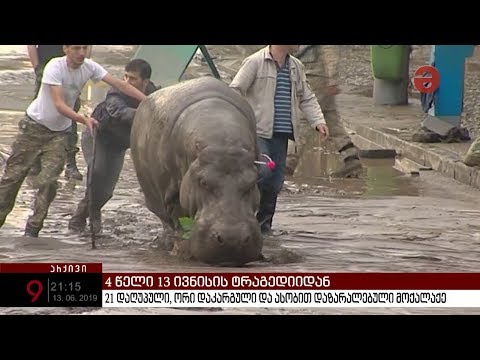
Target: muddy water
[(384, 221)]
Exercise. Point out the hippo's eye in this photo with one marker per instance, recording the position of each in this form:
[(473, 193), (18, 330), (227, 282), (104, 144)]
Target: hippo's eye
[(203, 183)]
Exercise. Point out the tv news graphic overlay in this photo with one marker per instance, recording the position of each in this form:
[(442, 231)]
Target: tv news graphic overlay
[(426, 79), (456, 290), (51, 285)]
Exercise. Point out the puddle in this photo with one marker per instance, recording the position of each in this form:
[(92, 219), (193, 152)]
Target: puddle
[(379, 177)]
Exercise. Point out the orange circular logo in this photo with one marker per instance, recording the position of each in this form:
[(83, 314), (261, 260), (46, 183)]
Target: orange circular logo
[(426, 79)]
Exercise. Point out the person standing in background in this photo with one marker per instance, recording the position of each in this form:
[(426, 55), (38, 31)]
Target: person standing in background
[(321, 68)]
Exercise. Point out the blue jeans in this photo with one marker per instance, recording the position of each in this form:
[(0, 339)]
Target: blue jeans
[(270, 182)]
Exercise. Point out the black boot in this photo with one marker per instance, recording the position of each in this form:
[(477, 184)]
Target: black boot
[(268, 204), (96, 222), (31, 232), (71, 171), (79, 220), (352, 166)]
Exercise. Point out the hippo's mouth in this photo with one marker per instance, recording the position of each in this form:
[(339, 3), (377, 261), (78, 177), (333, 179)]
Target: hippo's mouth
[(226, 243), (187, 225)]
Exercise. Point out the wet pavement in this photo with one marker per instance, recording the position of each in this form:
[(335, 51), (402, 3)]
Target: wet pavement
[(387, 220)]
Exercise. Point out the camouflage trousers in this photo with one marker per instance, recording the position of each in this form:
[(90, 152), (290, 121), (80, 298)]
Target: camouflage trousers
[(339, 141), (34, 142)]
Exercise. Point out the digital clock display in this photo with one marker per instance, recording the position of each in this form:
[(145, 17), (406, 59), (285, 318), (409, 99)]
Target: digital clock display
[(51, 290), (69, 286)]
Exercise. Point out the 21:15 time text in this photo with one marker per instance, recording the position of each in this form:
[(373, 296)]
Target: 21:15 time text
[(61, 286)]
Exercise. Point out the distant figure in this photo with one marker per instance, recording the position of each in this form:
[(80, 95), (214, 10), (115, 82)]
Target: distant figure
[(39, 56), (115, 116), (47, 122), (321, 67)]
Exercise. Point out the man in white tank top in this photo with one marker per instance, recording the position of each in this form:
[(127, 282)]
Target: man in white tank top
[(47, 122)]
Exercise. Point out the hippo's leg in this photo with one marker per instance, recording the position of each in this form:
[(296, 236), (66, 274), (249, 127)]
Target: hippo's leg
[(156, 205), (172, 205), (181, 245), (166, 240)]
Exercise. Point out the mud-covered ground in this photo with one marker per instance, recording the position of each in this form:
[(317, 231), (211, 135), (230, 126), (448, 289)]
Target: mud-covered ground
[(385, 221)]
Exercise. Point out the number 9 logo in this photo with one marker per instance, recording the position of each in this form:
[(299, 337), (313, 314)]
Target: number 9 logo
[(426, 84), (34, 292)]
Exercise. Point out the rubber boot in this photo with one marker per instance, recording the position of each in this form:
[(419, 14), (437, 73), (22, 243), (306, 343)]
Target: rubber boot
[(352, 166), (268, 203), (79, 220), (96, 222), (31, 232), (71, 171)]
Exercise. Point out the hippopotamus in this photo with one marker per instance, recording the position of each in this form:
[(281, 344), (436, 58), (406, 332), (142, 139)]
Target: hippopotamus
[(194, 148), (4, 154)]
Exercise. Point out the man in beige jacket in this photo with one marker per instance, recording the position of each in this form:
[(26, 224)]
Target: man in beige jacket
[(274, 83), (321, 67)]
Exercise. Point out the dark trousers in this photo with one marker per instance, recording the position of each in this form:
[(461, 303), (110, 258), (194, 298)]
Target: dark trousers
[(108, 166), (270, 182)]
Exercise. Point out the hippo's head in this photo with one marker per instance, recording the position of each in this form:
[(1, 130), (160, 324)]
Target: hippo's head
[(220, 188)]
